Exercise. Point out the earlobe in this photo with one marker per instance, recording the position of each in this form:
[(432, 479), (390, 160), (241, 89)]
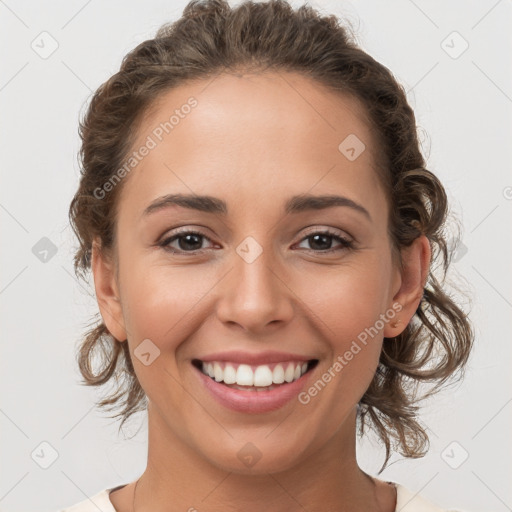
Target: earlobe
[(107, 293), (416, 264)]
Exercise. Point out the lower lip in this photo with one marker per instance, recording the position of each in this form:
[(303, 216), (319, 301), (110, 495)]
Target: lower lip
[(253, 401)]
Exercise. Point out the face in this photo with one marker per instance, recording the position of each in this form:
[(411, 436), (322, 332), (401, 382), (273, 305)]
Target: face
[(259, 276)]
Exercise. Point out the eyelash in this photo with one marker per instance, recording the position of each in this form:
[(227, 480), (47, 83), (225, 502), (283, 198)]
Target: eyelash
[(346, 243)]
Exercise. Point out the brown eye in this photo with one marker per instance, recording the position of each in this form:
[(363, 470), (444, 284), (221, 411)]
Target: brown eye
[(322, 241), (188, 241)]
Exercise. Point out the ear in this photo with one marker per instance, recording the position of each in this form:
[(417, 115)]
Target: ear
[(411, 283), (107, 292)]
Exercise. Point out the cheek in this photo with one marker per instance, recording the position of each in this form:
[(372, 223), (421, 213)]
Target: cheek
[(164, 305), (346, 300), (160, 302), (346, 307)]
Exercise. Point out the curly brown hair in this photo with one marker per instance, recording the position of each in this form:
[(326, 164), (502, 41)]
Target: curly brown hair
[(209, 38)]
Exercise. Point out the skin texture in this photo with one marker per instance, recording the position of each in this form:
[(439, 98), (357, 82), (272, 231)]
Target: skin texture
[(254, 140)]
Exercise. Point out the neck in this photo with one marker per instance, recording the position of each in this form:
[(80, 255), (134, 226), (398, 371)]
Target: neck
[(176, 478)]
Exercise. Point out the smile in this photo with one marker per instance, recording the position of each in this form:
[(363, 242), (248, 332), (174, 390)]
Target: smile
[(254, 378), (251, 388)]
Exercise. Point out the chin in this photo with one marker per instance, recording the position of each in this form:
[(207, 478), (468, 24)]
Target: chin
[(258, 457)]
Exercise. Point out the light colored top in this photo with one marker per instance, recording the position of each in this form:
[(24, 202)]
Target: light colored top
[(407, 501)]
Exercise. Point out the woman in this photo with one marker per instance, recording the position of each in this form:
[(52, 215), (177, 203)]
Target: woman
[(262, 232)]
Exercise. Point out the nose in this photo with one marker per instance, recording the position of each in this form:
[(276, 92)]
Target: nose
[(255, 296)]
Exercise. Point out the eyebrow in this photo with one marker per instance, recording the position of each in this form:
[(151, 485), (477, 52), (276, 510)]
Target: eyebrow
[(210, 204)]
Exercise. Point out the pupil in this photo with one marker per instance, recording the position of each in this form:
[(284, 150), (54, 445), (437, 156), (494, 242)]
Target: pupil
[(321, 237), (184, 240)]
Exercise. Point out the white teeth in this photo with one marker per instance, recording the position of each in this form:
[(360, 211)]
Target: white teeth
[(289, 373), (217, 372), (262, 377), (244, 375), (278, 374), (229, 375)]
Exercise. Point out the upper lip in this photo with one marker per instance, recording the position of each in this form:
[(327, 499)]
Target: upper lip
[(254, 358)]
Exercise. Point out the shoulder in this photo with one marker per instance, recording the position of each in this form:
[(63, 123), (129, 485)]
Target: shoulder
[(409, 501), (99, 501)]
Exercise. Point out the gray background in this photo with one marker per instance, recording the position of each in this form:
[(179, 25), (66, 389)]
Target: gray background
[(463, 105)]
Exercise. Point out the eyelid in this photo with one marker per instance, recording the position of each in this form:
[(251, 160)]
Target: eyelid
[(168, 238), (188, 229), (347, 241), (332, 231)]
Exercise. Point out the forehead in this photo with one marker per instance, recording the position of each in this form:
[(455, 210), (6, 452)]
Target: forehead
[(264, 135)]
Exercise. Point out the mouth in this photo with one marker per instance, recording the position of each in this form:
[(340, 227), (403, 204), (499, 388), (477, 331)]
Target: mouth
[(254, 378)]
